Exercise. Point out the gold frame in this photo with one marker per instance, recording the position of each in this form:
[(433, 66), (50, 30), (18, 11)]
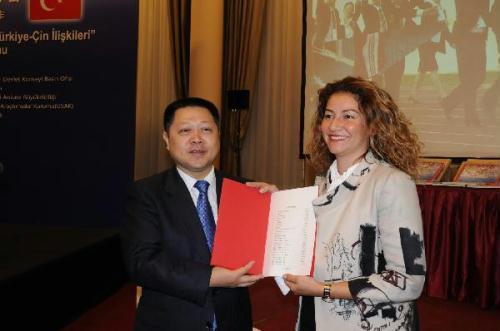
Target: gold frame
[(433, 169), (483, 171)]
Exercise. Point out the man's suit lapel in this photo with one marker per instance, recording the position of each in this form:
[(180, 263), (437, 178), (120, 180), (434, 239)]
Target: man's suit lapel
[(183, 209), (218, 189)]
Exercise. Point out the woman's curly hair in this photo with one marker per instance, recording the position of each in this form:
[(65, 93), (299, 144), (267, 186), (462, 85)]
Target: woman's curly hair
[(392, 138)]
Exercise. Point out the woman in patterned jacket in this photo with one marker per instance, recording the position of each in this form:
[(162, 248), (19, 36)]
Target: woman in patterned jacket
[(369, 259)]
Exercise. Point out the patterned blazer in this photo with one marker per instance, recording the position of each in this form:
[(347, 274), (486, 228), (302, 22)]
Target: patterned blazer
[(370, 234)]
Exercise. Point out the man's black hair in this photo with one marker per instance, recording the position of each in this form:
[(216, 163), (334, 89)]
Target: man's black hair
[(168, 115)]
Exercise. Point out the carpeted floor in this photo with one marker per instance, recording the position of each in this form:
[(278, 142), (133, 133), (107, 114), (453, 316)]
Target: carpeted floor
[(274, 312)]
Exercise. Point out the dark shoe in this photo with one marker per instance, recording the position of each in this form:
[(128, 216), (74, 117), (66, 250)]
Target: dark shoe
[(447, 109), (488, 105), (411, 99), (473, 122)]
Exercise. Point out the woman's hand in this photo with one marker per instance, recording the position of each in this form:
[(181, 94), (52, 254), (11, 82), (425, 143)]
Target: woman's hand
[(304, 285), (263, 187)]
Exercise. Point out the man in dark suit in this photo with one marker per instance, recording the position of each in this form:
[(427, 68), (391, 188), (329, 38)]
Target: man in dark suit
[(374, 32), (469, 39), (490, 98), (168, 234)]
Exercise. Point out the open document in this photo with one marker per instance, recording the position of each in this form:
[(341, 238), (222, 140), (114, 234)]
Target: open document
[(276, 230)]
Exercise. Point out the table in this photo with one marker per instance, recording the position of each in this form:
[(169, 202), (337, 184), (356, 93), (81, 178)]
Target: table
[(462, 243)]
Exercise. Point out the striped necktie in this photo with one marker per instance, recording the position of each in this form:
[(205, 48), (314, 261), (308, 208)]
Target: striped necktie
[(205, 212), (207, 220)]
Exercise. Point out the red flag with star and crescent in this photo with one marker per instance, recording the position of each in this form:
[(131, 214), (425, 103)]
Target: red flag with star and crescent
[(55, 10)]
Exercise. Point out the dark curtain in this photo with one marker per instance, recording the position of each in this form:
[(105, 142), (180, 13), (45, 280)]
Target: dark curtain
[(180, 25), (462, 243), (243, 20)]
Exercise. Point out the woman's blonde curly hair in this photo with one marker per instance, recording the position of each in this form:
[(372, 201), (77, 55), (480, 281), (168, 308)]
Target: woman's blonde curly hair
[(392, 138)]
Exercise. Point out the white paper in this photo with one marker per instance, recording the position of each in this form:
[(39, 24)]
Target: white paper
[(290, 232), (282, 285)]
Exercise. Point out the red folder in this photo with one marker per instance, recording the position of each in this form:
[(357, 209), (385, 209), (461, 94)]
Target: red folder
[(241, 227)]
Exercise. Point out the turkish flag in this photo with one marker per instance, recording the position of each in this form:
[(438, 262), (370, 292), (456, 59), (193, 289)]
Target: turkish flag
[(55, 10)]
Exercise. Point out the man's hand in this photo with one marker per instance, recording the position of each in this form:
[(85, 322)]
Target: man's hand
[(222, 277), (263, 187)]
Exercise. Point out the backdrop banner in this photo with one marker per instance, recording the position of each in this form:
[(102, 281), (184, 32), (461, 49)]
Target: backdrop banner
[(67, 106)]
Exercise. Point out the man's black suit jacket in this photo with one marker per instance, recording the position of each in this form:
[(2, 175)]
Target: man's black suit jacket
[(166, 253), (468, 14)]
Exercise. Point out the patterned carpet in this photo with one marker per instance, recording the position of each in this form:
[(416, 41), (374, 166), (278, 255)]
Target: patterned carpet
[(274, 312)]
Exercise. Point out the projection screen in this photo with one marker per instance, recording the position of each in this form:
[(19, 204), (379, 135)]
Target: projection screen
[(438, 59)]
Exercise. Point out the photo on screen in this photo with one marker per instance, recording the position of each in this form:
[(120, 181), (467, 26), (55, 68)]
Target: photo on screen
[(439, 59)]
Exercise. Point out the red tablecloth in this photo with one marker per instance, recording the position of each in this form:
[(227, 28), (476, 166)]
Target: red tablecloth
[(462, 242)]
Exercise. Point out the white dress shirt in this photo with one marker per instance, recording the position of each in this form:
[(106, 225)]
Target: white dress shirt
[(212, 192)]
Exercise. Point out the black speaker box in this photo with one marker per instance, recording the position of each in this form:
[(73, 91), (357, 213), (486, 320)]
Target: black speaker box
[(238, 99)]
